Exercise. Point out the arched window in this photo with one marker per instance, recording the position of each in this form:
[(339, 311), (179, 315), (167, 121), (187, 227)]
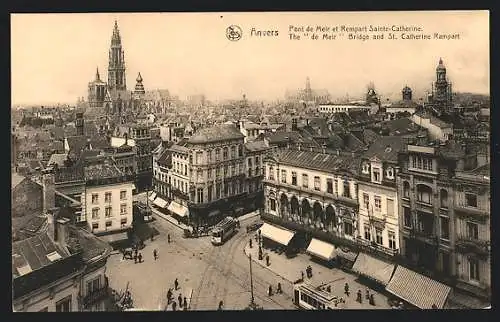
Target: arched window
[(424, 193), (406, 190)]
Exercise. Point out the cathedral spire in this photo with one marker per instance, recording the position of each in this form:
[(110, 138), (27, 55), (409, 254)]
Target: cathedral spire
[(139, 87), (97, 77), (116, 39)]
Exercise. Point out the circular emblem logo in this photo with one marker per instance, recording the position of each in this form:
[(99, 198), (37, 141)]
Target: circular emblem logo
[(234, 33)]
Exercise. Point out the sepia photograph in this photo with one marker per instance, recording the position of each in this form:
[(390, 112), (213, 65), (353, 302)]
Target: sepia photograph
[(222, 161)]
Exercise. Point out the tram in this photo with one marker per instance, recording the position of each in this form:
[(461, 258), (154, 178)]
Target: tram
[(308, 297), (224, 230)]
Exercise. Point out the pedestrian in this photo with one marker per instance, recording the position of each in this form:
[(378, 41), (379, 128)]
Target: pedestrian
[(168, 238), (152, 236), (173, 306), (136, 250), (372, 299), (302, 273), (329, 288), (135, 258), (155, 254), (169, 296), (140, 258), (279, 290), (176, 284), (434, 306), (179, 298), (267, 260), (250, 243), (221, 305), (270, 291), (123, 250), (367, 296), (185, 302), (346, 289), (360, 297)]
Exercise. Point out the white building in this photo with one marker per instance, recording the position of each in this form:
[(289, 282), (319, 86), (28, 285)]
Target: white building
[(108, 201), (346, 108), (437, 129), (378, 199)]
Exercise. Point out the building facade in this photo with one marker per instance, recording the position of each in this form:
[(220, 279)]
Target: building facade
[(317, 192)]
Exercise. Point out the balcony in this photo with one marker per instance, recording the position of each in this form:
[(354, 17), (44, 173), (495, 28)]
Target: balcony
[(178, 193), (373, 246), (464, 209), (97, 295), (426, 236), (468, 244), (424, 206), (311, 191)]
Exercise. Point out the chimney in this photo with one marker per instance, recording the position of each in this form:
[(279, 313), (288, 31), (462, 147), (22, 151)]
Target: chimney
[(126, 138), (311, 148), (50, 223), (338, 152), (48, 189), (298, 146), (294, 124), (323, 148), (62, 233)]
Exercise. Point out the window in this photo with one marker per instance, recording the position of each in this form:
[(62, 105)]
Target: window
[(95, 225), (407, 217), (249, 172), (473, 269), (217, 172), (283, 176), (95, 198), (367, 233), (347, 189), (218, 190), (249, 162), (294, 178), (198, 157), (317, 183), (366, 200), (226, 170), (445, 227), (305, 181), (217, 154), (378, 237), (199, 193), (273, 204), (271, 172), (123, 221), (209, 173), (185, 170), (366, 168), (376, 175), (389, 173), (348, 229), (94, 285), (390, 207), (108, 212), (335, 185), (256, 160), (123, 209), (392, 239), (378, 203), (224, 153), (209, 197), (444, 198), (233, 152), (472, 230), (471, 200), (424, 194), (95, 213), (199, 175), (240, 150), (406, 189), (109, 224), (209, 156), (329, 186), (64, 305), (422, 163), (107, 197)]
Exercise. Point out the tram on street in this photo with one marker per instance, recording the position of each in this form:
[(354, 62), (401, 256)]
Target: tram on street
[(308, 297), (224, 230)]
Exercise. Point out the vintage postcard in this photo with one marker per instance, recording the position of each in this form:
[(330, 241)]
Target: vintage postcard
[(250, 161)]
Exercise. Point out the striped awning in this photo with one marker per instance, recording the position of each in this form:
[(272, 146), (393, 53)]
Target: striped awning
[(373, 268), (160, 202), (321, 249), (178, 209), (279, 235), (417, 289), (152, 196)]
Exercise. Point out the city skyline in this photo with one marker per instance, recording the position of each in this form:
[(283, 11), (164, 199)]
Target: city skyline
[(186, 63)]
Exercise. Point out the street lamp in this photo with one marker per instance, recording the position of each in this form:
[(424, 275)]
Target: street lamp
[(252, 305)]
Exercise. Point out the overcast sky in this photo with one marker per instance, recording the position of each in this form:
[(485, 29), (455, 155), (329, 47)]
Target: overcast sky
[(54, 56)]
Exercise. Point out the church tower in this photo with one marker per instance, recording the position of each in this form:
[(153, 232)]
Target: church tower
[(308, 90), (442, 88), (116, 67)]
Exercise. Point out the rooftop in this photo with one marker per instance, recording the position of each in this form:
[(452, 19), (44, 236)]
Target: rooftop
[(102, 171), (90, 245), (58, 158), (320, 161), (16, 179), (386, 148), (216, 134), (34, 253)]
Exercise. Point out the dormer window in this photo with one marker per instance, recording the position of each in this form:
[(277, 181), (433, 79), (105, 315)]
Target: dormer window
[(389, 173), (366, 168), (376, 175)]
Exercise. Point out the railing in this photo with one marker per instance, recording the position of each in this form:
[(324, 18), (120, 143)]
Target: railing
[(428, 237), (97, 295), (464, 208), (376, 247), (467, 243)]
